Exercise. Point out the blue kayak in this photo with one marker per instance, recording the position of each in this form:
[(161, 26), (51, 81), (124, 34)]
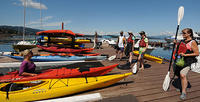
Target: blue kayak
[(59, 58)]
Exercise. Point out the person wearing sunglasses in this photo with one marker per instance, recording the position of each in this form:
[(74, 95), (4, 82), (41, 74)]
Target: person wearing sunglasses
[(189, 53)]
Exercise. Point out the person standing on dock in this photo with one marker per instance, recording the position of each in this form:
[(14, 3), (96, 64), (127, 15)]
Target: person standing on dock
[(27, 68), (130, 47), (121, 42), (143, 45), (189, 52), (96, 41)]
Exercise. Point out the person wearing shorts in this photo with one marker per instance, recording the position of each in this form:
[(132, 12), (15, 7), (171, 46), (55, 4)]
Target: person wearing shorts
[(142, 49), (189, 57), (121, 42)]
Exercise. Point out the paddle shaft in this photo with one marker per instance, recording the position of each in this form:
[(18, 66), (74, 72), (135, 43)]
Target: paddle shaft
[(173, 48)]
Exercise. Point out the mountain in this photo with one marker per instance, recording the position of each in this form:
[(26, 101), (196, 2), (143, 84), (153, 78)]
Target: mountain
[(7, 31), (158, 37), (99, 36)]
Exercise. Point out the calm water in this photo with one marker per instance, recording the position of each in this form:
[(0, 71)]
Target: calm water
[(5, 47), (162, 52)]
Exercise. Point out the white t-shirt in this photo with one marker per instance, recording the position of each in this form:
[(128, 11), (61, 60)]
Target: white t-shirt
[(121, 40)]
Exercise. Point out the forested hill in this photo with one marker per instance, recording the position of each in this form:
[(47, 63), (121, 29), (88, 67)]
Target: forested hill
[(16, 30)]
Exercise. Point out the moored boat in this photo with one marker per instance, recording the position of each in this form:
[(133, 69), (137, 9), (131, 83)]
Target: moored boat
[(59, 73), (65, 50), (50, 88), (59, 58), (38, 64), (67, 40), (150, 57)]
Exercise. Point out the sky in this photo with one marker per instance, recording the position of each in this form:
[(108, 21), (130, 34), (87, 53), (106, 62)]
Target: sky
[(155, 17)]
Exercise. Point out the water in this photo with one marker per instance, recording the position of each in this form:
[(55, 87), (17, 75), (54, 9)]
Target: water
[(162, 52), (6, 47)]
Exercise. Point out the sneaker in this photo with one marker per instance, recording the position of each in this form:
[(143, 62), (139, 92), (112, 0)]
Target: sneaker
[(183, 96), (178, 90)]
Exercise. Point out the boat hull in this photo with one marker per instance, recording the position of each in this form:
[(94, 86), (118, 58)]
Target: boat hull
[(59, 58), (149, 57), (58, 73), (20, 48), (64, 50), (51, 88)]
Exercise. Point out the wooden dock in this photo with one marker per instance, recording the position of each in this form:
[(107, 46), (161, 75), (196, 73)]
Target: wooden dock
[(147, 85)]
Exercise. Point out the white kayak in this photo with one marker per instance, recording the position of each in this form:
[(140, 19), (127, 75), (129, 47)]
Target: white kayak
[(38, 64)]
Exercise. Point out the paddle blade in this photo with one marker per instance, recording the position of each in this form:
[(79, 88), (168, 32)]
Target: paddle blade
[(134, 69), (112, 57), (166, 82), (180, 14)]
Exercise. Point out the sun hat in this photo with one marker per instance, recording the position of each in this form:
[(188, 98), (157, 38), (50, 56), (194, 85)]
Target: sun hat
[(26, 52), (130, 33), (142, 32)]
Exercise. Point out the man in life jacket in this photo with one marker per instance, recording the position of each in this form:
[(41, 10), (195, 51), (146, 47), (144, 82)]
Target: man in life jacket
[(143, 45)]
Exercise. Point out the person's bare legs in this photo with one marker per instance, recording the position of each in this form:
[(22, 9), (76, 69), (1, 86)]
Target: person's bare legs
[(121, 54), (130, 57), (184, 86), (142, 64), (117, 52), (139, 61), (183, 83)]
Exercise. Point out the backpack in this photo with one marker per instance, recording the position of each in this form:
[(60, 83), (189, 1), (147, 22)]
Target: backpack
[(142, 43)]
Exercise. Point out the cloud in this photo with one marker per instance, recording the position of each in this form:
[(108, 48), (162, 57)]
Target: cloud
[(49, 24), (167, 33), (38, 20), (54, 24), (32, 4), (98, 32), (17, 4)]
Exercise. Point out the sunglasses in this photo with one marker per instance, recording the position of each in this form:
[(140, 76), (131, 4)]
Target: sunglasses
[(183, 33)]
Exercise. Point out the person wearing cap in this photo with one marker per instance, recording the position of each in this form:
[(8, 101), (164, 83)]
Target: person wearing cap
[(143, 45), (27, 67), (130, 47), (121, 42)]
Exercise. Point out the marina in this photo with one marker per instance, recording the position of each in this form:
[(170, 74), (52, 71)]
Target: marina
[(99, 51)]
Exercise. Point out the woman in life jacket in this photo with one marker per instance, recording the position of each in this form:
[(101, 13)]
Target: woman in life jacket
[(189, 51), (130, 47), (143, 45)]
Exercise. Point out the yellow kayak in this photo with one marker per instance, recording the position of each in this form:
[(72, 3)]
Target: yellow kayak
[(50, 88), (67, 40), (149, 57)]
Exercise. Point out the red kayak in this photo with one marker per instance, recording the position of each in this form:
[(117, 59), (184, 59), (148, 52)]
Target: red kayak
[(65, 54), (64, 50), (59, 73), (58, 33)]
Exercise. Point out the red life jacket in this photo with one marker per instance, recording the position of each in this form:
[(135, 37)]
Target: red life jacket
[(130, 40), (142, 43), (181, 49)]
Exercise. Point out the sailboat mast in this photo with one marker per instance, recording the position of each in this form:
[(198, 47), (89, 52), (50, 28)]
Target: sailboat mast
[(40, 16), (24, 20)]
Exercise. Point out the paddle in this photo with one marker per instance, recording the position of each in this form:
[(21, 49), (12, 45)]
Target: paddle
[(167, 77), (112, 57), (134, 68)]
